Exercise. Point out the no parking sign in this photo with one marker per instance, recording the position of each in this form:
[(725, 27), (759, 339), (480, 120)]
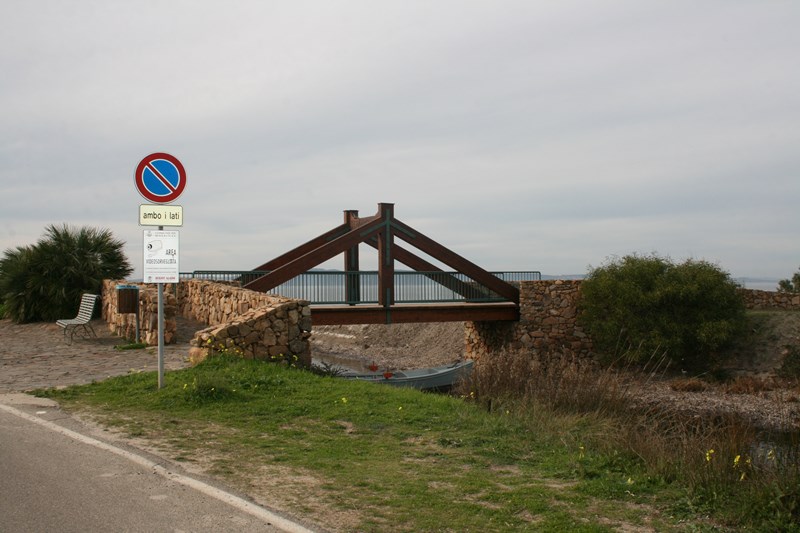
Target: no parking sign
[(160, 178)]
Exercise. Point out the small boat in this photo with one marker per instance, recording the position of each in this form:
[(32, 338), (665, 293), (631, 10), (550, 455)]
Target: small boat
[(439, 377)]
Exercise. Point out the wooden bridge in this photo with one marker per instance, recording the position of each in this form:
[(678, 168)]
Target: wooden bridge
[(469, 293)]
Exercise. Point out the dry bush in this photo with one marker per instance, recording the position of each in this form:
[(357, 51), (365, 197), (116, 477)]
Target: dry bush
[(748, 385), (689, 385), (563, 382)]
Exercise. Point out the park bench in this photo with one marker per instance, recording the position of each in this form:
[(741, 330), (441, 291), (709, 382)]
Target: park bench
[(80, 323)]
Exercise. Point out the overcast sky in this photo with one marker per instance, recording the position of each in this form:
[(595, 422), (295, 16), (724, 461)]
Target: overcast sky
[(523, 135)]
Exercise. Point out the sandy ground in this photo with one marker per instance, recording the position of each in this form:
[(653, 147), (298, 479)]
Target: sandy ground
[(391, 347)]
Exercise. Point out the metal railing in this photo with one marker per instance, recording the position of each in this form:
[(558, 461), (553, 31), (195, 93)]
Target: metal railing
[(338, 287)]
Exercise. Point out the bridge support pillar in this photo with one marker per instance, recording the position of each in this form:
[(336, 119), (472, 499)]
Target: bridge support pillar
[(352, 289)]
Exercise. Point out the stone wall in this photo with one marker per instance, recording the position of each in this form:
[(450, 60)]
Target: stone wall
[(754, 299), (124, 324), (548, 320), (547, 324), (254, 324)]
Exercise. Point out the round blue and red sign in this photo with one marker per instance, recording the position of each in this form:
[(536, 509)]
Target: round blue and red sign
[(160, 178)]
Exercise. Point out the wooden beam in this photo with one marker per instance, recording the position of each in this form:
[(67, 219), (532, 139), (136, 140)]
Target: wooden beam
[(385, 256), (403, 314), (313, 258), (352, 285), (445, 279), (303, 249), (455, 261)]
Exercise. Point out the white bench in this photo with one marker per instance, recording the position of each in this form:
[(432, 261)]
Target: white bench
[(82, 321)]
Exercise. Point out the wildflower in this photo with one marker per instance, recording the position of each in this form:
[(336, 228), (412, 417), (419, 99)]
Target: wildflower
[(630, 481), (185, 385), (344, 400), (709, 455), (400, 408), (581, 453), (771, 455), (736, 461)]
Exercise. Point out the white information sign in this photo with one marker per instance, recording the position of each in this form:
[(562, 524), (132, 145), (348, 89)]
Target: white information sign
[(161, 264)]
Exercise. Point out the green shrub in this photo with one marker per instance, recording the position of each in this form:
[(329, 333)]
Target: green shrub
[(691, 310), (790, 285), (45, 281)]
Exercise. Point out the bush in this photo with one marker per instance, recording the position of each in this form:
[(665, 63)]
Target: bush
[(790, 285), (691, 310), (45, 281)]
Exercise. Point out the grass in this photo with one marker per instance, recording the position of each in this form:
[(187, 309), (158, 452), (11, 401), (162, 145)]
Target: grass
[(527, 446), (362, 457)]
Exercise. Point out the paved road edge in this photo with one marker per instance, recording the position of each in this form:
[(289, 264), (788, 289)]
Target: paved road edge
[(214, 492)]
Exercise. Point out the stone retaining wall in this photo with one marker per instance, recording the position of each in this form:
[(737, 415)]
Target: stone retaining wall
[(548, 320), (124, 324), (754, 299), (547, 324), (254, 324)]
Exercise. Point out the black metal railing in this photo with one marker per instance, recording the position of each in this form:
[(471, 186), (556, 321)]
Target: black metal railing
[(339, 287)]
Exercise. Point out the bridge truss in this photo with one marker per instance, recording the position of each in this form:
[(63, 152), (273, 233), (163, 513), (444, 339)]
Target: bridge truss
[(485, 296)]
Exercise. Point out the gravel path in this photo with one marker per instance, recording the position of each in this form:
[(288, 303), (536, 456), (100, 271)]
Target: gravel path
[(36, 356)]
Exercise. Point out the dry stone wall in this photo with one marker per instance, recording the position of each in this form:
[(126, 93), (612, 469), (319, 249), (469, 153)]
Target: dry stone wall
[(549, 320), (754, 299), (253, 324), (124, 324), (548, 323)]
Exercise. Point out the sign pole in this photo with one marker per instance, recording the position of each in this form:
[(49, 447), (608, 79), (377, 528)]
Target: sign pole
[(160, 178), (161, 331)]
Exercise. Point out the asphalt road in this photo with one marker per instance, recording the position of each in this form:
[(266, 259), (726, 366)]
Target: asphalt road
[(53, 477)]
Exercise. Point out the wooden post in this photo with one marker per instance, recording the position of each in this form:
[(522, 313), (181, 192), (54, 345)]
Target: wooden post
[(385, 256), (352, 287)]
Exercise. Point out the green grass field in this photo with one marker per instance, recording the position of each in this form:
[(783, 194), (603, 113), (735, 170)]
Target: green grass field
[(354, 456)]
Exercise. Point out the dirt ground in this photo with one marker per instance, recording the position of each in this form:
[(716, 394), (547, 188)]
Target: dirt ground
[(401, 346), (752, 386), (391, 347)]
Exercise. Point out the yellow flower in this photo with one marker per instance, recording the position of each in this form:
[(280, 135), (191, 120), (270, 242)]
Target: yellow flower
[(344, 400), (736, 461), (709, 455), (400, 408), (771, 455), (582, 450), (630, 481)]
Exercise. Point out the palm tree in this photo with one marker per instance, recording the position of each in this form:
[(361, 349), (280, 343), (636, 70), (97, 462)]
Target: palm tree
[(45, 281)]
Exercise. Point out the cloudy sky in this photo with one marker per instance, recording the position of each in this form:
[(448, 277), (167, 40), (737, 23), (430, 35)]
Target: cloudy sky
[(524, 135)]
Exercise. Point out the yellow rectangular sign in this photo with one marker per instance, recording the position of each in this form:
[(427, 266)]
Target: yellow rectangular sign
[(160, 215)]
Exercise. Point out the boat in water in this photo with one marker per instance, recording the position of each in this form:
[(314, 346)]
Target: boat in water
[(440, 377)]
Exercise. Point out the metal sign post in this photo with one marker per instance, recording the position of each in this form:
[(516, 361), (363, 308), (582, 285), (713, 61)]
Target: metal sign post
[(160, 178)]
